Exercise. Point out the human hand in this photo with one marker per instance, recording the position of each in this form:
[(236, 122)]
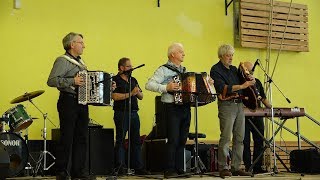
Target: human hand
[(78, 80), (248, 83), (135, 91), (114, 85), (172, 86)]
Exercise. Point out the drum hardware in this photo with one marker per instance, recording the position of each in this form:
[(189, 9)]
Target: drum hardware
[(43, 155)]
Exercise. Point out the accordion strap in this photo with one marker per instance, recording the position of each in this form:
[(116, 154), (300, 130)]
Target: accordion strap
[(81, 64), (173, 68)]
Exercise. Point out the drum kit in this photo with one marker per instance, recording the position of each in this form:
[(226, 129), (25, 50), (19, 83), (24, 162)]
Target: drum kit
[(17, 119)]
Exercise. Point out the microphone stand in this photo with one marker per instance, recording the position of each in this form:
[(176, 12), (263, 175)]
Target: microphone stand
[(128, 73), (269, 81)]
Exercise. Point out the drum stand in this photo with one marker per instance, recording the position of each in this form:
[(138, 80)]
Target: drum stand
[(43, 154)]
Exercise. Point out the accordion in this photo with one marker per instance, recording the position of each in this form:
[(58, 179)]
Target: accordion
[(97, 88), (194, 85)]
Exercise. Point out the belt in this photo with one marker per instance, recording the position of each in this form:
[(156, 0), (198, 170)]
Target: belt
[(235, 100), (68, 94)]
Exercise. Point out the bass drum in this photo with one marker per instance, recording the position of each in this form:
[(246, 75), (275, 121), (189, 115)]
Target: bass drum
[(17, 150)]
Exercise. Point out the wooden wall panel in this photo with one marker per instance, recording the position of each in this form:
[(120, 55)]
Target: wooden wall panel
[(288, 28)]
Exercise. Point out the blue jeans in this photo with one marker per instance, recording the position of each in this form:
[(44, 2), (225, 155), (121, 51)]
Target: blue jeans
[(121, 121)]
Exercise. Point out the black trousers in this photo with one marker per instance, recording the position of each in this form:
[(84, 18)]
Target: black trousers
[(257, 141), (178, 123), (74, 119)]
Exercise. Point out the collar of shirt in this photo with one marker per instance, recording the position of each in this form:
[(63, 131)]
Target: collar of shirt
[(180, 68), (75, 58)]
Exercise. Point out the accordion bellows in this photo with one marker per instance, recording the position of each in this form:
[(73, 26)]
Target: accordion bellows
[(97, 88)]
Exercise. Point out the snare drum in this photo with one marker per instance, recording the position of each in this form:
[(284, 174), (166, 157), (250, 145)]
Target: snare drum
[(17, 150), (17, 118)]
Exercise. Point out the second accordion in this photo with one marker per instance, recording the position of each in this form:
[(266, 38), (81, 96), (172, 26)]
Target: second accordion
[(194, 85)]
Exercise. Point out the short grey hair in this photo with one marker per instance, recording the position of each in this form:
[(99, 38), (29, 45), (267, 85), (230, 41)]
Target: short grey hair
[(225, 49), (66, 41), (173, 47)]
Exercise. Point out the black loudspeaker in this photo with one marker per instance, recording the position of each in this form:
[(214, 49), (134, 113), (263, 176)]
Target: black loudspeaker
[(155, 155), (101, 153), (4, 162), (100, 157), (305, 161)]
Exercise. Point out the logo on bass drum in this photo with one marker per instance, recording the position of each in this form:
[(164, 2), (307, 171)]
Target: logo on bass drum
[(10, 142)]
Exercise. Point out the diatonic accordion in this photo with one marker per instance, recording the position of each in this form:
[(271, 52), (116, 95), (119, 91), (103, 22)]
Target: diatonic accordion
[(194, 85), (97, 88)]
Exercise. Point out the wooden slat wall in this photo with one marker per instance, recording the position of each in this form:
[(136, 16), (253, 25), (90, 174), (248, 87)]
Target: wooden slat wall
[(254, 25)]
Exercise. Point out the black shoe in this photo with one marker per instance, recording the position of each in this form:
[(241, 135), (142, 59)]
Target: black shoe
[(225, 172), (62, 175), (182, 173), (241, 172), (120, 171), (84, 177), (259, 171), (170, 174), (141, 172)]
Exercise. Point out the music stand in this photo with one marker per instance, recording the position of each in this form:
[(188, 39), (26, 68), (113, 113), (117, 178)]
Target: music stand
[(197, 160)]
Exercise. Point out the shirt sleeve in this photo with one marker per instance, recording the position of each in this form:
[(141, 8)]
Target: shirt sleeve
[(57, 75), (218, 80), (154, 83)]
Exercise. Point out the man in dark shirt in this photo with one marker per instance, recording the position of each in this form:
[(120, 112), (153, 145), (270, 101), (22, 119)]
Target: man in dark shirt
[(121, 118), (257, 138), (231, 113), (73, 116)]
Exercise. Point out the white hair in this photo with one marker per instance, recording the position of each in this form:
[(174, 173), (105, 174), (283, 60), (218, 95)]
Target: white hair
[(225, 49), (173, 47)]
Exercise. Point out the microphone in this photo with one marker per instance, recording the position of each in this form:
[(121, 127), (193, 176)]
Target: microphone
[(255, 64), (130, 70)]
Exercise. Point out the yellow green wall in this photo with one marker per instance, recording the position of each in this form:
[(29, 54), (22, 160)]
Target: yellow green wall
[(30, 40)]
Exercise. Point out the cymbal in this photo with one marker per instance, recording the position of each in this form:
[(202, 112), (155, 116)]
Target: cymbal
[(27, 96), (34, 118)]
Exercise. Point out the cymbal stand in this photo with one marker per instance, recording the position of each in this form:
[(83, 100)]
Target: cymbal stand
[(29, 168), (43, 154)]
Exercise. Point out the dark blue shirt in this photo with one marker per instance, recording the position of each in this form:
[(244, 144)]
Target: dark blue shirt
[(223, 76), (123, 87), (261, 90)]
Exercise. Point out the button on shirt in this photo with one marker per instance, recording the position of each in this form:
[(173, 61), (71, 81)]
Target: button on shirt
[(161, 77)]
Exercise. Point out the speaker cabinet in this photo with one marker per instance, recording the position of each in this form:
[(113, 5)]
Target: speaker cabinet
[(100, 153), (100, 156), (155, 155)]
